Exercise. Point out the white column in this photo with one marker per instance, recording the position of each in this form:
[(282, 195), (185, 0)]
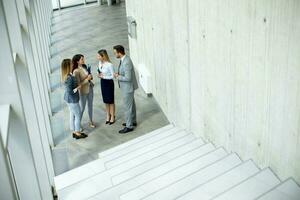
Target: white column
[(19, 147), (40, 23), (20, 41), (8, 188), (59, 4), (40, 104), (40, 78), (44, 63)]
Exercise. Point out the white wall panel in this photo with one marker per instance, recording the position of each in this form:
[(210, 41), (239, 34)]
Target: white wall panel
[(227, 70)]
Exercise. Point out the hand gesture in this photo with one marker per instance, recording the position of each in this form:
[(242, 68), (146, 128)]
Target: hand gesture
[(89, 77), (116, 75), (100, 75)]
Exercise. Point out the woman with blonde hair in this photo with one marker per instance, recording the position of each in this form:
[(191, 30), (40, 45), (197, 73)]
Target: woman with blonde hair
[(106, 73), (71, 96)]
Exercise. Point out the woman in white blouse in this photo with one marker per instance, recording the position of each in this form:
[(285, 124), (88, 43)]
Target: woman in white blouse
[(106, 72)]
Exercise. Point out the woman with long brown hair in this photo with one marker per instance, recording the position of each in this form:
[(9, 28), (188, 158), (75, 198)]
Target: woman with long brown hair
[(83, 78), (71, 97), (106, 73)]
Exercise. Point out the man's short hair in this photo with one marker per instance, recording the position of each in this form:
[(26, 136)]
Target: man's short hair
[(119, 49)]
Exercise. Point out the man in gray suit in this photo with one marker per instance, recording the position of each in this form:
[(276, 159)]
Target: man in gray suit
[(127, 83)]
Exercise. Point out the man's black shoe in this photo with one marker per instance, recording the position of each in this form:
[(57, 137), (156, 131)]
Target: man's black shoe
[(134, 124), (125, 130)]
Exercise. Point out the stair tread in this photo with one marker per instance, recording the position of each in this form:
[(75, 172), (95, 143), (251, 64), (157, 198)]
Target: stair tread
[(253, 187), (110, 191), (75, 175), (148, 142), (94, 167), (178, 139), (149, 148), (170, 163), (134, 141), (157, 160), (176, 175), (287, 190), (222, 183)]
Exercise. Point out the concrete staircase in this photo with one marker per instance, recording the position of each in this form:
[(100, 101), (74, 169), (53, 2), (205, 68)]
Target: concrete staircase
[(170, 163)]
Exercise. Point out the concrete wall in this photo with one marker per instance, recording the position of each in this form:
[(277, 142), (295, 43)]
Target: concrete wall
[(227, 70)]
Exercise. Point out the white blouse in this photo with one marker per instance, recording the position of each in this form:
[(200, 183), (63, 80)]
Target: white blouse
[(107, 70)]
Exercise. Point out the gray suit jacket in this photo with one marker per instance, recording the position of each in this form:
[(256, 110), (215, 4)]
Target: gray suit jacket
[(127, 79)]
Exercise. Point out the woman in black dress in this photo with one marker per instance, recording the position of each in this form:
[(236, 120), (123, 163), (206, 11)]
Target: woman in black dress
[(106, 72)]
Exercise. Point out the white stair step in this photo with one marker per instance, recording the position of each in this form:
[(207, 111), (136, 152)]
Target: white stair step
[(150, 148), (134, 141), (102, 180), (78, 174), (201, 176), (87, 187), (172, 163), (287, 190), (222, 183), (94, 167), (175, 175), (158, 157), (149, 141), (253, 187)]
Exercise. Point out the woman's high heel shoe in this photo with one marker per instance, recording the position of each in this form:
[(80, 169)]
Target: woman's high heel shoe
[(107, 120), (92, 125), (112, 122)]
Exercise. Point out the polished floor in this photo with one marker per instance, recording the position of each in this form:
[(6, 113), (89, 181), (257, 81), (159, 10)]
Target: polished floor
[(85, 30)]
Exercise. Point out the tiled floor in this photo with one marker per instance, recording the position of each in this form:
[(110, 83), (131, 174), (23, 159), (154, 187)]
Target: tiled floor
[(85, 30)]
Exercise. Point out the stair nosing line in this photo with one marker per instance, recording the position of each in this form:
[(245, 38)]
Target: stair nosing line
[(274, 187), (161, 155), (149, 150), (138, 141), (180, 130), (191, 174), (188, 174), (165, 172), (225, 172), (292, 178), (239, 183), (102, 171), (280, 184), (168, 129)]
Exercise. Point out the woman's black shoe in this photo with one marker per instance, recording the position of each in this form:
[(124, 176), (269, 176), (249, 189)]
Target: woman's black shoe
[(82, 135), (76, 136), (107, 119), (110, 123)]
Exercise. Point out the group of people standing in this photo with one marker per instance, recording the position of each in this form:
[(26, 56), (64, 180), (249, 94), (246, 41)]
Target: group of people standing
[(78, 81)]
